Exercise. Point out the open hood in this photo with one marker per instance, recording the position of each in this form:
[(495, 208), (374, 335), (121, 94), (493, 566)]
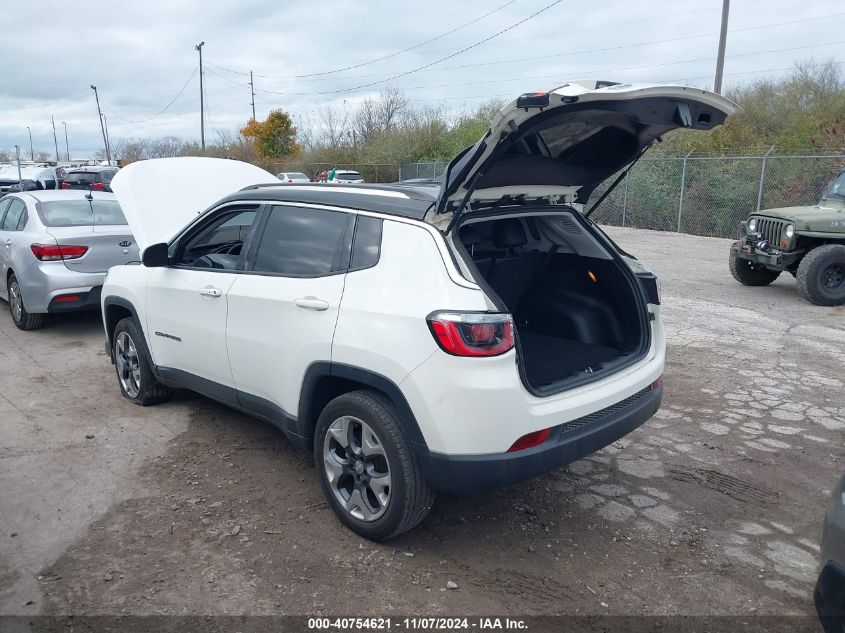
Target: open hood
[(563, 143), (160, 197)]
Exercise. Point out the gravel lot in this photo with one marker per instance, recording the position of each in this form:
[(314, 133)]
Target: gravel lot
[(713, 507)]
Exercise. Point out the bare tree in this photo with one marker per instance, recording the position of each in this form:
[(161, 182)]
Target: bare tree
[(335, 126), (389, 107), (379, 117)]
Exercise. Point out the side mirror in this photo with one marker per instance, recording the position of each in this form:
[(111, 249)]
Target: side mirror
[(155, 256)]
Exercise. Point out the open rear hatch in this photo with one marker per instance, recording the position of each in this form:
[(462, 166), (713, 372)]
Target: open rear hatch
[(560, 145), (579, 304)]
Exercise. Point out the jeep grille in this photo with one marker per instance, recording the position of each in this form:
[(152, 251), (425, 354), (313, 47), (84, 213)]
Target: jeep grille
[(771, 229)]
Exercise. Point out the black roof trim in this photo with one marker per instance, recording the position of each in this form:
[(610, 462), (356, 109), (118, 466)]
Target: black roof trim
[(417, 198)]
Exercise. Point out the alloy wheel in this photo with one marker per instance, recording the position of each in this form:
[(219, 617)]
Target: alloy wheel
[(833, 276), (15, 301), (356, 468), (128, 364)]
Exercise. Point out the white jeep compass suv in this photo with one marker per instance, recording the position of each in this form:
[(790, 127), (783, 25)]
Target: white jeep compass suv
[(457, 336)]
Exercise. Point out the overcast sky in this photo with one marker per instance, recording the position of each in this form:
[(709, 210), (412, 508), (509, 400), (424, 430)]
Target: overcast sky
[(140, 55)]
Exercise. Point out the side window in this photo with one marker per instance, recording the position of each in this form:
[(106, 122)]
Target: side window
[(24, 218), (366, 245), (220, 243), (4, 205), (13, 216), (303, 242)]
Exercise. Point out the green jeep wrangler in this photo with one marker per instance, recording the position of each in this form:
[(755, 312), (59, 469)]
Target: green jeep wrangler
[(807, 242)]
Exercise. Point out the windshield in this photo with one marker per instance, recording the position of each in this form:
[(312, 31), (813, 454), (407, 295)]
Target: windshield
[(837, 188), (80, 213)]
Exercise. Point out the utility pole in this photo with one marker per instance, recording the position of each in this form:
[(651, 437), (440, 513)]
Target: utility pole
[(108, 138), (55, 140), (720, 58), (102, 127), (67, 146), (31, 151), (18, 156), (252, 91), (202, 103)]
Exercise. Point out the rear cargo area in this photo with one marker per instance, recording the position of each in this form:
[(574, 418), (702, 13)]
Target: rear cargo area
[(576, 311)]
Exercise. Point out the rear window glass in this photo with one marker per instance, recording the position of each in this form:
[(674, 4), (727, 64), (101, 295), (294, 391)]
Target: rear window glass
[(297, 176), (80, 213), (348, 174), (82, 176)]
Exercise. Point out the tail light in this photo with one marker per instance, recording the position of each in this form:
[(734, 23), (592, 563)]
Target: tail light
[(65, 185), (98, 186), (55, 253), (472, 333)]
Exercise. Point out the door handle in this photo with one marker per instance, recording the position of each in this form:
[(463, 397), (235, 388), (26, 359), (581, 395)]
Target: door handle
[(208, 291), (311, 303)]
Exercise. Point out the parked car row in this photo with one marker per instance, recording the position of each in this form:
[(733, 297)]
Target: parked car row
[(41, 177), (335, 176), (456, 336)]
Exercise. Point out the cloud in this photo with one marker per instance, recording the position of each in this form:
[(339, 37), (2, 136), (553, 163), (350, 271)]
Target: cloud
[(140, 54)]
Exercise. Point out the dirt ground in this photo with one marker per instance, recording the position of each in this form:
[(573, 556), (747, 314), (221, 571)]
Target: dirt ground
[(713, 507)]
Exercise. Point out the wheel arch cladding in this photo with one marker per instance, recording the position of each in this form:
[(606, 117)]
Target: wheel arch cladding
[(324, 381), (114, 310)]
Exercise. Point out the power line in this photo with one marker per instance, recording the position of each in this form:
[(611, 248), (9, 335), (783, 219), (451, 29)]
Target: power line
[(410, 48), (558, 74), (377, 59), (603, 26), (498, 62), (164, 109), (417, 69), (455, 54)]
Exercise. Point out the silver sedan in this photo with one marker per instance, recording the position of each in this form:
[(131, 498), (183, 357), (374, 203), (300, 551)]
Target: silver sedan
[(55, 250)]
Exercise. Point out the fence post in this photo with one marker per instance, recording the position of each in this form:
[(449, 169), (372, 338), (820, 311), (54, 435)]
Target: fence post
[(625, 197), (762, 177), (681, 197)]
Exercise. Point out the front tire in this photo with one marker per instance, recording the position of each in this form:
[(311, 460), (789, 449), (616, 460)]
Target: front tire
[(821, 275), (23, 319), (132, 363), (368, 471), (749, 273)]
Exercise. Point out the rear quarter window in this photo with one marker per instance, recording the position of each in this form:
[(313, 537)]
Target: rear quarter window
[(366, 245)]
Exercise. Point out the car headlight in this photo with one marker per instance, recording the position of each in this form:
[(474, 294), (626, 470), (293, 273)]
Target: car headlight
[(790, 231), (752, 224)]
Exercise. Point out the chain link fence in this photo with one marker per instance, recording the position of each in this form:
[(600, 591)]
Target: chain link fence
[(690, 194), (429, 170), (711, 196)]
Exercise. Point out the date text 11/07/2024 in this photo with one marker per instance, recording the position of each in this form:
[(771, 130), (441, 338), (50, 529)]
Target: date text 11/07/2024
[(417, 623)]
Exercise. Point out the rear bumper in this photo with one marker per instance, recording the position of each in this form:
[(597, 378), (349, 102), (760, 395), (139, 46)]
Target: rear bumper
[(569, 442), (65, 302), (42, 282), (777, 260), (829, 597)]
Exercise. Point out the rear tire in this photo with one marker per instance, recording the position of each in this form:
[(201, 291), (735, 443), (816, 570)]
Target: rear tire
[(23, 319), (749, 273), (821, 275), (357, 443), (132, 364)]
